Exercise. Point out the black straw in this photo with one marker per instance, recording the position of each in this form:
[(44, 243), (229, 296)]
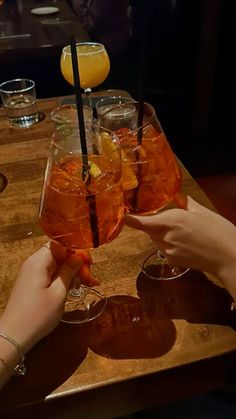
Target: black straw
[(91, 198), (140, 92), (78, 96)]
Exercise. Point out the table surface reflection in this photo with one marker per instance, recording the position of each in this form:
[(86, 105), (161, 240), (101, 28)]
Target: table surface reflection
[(155, 342)]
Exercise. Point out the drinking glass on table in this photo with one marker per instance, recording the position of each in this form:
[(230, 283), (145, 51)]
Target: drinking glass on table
[(19, 100), (151, 179), (82, 204), (94, 65), (114, 112)]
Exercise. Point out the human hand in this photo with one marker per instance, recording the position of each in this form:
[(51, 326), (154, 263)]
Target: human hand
[(37, 300), (198, 238)]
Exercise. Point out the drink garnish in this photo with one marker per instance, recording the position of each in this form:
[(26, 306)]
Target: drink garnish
[(94, 169), (108, 145)]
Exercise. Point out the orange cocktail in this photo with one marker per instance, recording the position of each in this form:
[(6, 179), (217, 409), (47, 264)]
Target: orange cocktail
[(82, 204), (82, 200), (70, 203), (94, 64), (151, 175)]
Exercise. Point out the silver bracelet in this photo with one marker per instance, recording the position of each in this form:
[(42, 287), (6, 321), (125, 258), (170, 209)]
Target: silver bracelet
[(20, 369), (233, 305)]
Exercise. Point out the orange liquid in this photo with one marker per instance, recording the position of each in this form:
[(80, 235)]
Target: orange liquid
[(151, 176), (69, 205), (94, 65)]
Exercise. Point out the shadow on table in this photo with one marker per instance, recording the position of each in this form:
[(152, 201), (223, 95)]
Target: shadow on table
[(129, 330), (192, 297), (50, 363), (132, 328)]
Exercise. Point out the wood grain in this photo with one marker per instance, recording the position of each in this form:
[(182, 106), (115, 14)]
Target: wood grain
[(150, 330)]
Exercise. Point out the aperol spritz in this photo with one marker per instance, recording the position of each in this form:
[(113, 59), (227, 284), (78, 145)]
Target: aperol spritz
[(82, 204)]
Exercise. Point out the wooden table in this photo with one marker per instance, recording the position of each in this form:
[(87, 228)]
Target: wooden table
[(155, 342)]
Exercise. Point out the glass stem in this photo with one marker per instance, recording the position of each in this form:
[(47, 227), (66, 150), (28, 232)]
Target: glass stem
[(76, 290), (88, 100)]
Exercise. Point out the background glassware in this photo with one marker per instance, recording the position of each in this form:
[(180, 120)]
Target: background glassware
[(82, 204), (112, 115), (94, 65), (19, 99), (151, 180), (67, 115)]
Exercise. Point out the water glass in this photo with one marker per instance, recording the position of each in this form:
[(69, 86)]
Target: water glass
[(114, 112), (19, 99)]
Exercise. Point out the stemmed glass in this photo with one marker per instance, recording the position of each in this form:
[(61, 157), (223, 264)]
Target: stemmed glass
[(82, 204), (151, 179), (94, 65)]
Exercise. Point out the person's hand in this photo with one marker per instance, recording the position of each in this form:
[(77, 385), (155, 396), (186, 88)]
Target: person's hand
[(37, 300), (197, 238)]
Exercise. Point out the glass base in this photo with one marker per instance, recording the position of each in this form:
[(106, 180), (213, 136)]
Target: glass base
[(157, 267), (24, 121), (83, 305)]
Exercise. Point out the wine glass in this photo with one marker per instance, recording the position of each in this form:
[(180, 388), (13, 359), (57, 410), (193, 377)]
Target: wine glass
[(151, 179), (82, 204), (94, 65)]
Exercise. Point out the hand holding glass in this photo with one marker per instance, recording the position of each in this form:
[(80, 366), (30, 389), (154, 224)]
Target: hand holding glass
[(151, 179), (82, 204)]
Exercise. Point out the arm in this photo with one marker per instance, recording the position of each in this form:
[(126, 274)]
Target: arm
[(35, 305), (198, 238)]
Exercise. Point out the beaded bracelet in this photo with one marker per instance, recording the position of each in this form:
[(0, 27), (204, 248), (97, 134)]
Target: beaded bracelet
[(20, 369)]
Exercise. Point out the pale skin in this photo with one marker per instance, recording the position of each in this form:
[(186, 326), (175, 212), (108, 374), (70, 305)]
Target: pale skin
[(197, 238), (35, 305)]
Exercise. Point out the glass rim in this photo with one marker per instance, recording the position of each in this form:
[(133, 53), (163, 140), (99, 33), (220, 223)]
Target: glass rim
[(25, 89), (91, 126), (104, 99), (67, 50), (150, 117), (64, 107)]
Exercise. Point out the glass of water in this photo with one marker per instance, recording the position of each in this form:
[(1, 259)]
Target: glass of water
[(19, 99), (114, 112)]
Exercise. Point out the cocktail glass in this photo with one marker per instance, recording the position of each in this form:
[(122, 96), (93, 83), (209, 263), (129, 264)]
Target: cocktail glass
[(67, 115), (82, 204), (151, 180), (94, 65)]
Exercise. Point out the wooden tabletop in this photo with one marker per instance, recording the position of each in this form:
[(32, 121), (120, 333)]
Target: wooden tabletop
[(156, 341)]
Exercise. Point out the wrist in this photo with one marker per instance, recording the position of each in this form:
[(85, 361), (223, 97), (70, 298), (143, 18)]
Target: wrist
[(13, 329), (9, 355)]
